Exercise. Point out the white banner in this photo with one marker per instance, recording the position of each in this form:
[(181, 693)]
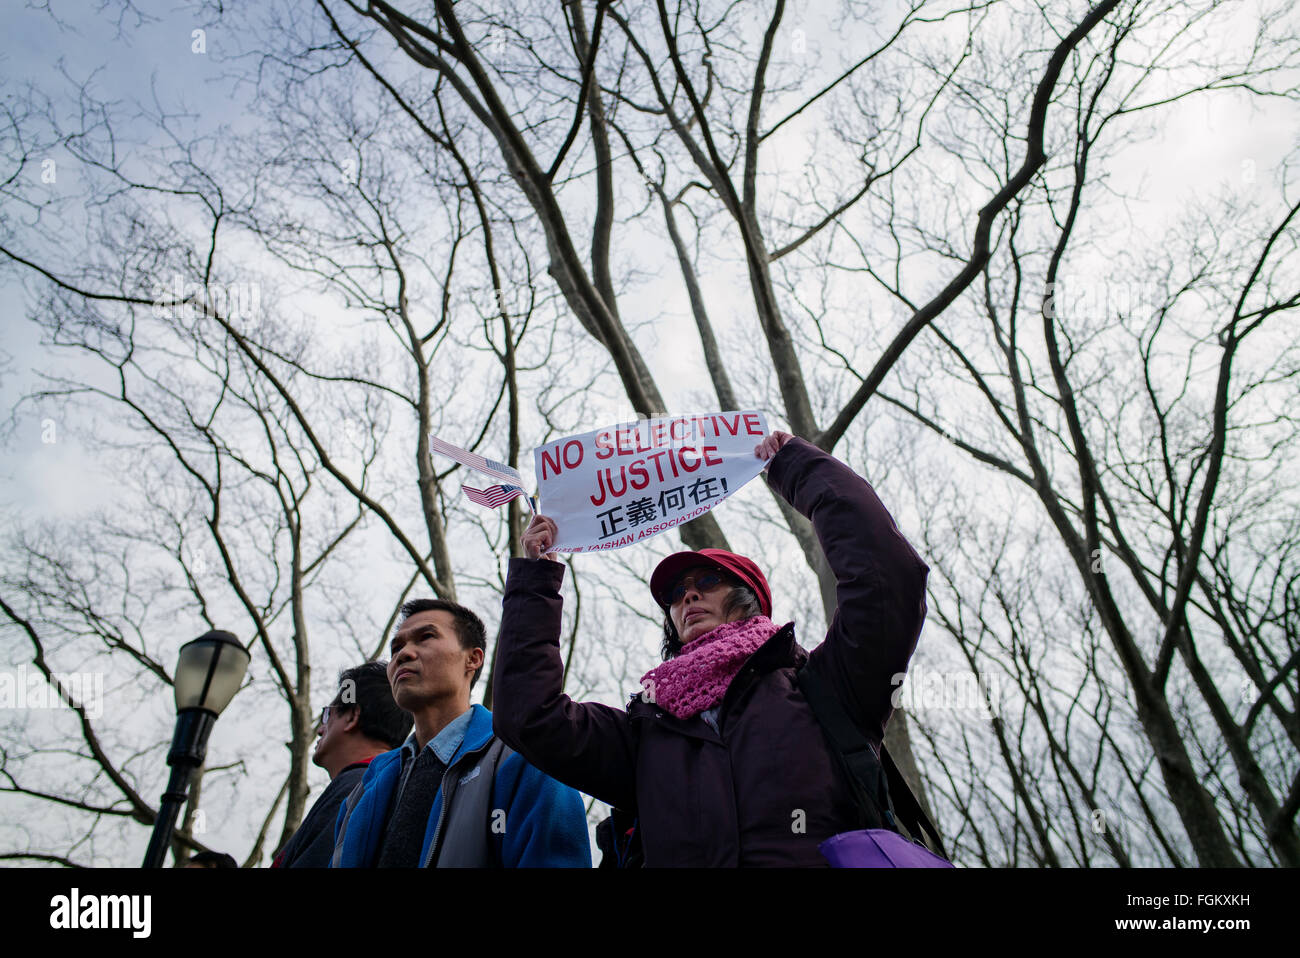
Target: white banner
[(622, 484)]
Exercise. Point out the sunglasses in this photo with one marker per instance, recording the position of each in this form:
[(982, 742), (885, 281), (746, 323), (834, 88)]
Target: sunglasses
[(702, 583)]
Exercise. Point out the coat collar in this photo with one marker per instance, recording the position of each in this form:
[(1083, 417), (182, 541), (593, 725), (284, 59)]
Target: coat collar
[(477, 736), (779, 651)]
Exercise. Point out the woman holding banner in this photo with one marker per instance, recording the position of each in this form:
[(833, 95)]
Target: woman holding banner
[(720, 757)]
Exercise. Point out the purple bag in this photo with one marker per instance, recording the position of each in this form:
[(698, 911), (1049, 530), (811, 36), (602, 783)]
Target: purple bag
[(878, 848)]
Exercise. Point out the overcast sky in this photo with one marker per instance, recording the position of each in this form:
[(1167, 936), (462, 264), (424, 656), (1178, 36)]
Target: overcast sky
[(1206, 145)]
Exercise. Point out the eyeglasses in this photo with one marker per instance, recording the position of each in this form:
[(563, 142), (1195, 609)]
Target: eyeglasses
[(702, 583), (325, 712)]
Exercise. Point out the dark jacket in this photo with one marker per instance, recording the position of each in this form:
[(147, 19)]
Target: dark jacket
[(492, 810), (313, 843), (765, 789)]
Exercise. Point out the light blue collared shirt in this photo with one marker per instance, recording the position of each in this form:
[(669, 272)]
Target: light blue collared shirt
[(711, 716), (444, 745)]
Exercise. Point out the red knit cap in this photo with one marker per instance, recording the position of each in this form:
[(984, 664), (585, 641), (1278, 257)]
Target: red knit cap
[(668, 572)]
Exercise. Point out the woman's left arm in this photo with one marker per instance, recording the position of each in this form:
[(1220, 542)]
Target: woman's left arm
[(880, 580)]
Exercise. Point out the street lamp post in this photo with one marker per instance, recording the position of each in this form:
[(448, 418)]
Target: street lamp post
[(208, 674)]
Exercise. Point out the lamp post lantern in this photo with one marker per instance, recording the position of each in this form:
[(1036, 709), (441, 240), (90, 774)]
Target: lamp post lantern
[(208, 674)]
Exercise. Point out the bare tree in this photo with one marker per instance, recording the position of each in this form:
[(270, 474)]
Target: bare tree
[(713, 111), (887, 204), (1126, 417), (224, 527), (272, 436)]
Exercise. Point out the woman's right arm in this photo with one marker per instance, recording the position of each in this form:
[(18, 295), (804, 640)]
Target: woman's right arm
[(589, 747), (879, 581)]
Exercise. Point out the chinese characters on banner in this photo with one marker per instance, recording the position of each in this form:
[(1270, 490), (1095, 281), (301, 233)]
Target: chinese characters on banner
[(622, 484)]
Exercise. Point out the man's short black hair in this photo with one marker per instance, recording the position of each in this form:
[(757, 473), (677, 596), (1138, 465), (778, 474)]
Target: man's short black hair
[(212, 860), (366, 687), (469, 627)]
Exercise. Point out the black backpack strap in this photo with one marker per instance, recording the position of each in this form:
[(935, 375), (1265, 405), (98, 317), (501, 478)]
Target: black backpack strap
[(909, 810), (853, 750), (876, 778)]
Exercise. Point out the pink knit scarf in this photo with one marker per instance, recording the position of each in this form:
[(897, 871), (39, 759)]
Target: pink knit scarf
[(698, 677)]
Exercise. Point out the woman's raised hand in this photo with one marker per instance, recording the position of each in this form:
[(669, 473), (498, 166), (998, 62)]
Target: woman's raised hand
[(539, 537), (771, 445)]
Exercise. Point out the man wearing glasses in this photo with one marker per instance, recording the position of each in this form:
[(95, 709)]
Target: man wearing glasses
[(363, 721)]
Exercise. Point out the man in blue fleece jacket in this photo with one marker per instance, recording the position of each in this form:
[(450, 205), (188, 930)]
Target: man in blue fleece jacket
[(454, 795)]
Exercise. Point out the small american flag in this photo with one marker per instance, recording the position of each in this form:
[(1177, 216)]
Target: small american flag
[(493, 496), (489, 467)]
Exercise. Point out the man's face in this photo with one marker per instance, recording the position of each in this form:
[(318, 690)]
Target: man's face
[(426, 663), (699, 606), (331, 727)]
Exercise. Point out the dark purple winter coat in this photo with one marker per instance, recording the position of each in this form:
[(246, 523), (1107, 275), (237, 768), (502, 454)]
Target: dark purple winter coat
[(764, 790)]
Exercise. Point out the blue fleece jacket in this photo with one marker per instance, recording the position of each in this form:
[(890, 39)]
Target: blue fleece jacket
[(532, 822)]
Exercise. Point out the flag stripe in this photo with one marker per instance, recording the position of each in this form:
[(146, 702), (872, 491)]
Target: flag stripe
[(489, 467), (493, 496)]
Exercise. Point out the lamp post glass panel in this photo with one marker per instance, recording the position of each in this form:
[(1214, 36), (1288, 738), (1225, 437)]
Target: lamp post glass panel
[(208, 674)]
